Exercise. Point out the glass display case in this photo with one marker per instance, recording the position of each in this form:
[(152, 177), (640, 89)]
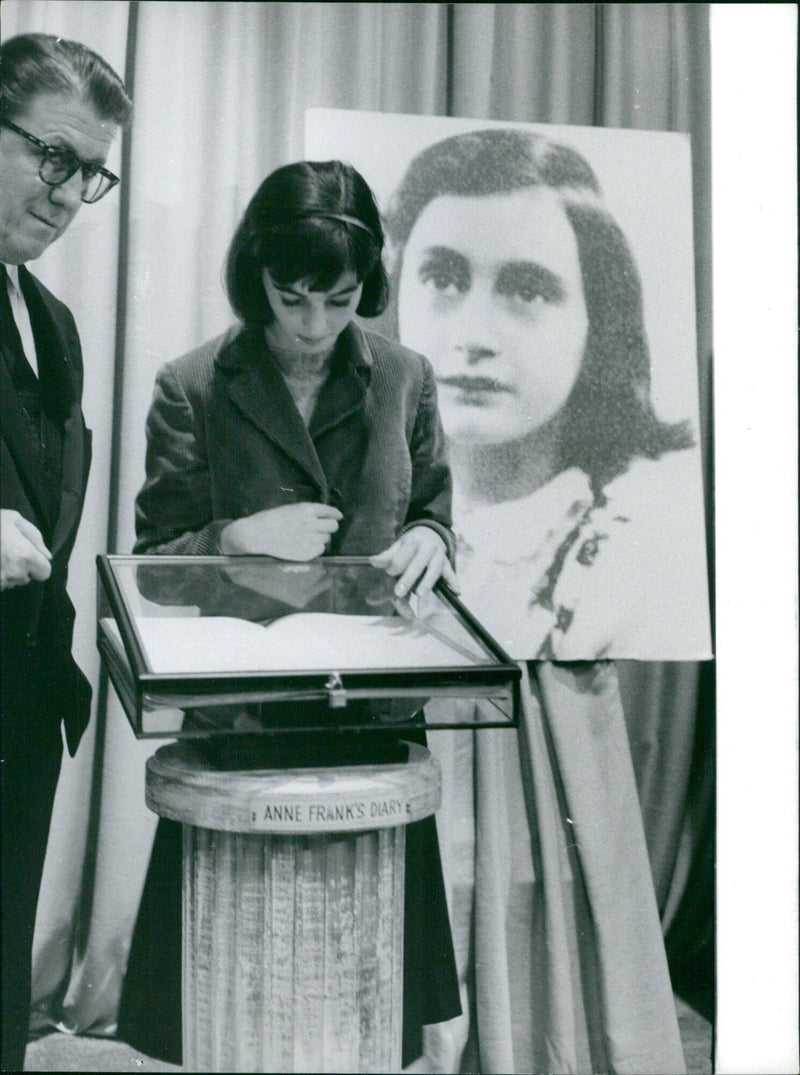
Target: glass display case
[(210, 645)]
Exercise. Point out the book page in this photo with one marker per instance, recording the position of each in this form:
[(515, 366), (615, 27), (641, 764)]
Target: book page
[(301, 641)]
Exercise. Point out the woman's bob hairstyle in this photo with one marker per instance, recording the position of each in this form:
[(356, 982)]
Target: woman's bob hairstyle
[(311, 221), (608, 418)]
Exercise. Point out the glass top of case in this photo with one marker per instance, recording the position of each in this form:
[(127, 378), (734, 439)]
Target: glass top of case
[(255, 643)]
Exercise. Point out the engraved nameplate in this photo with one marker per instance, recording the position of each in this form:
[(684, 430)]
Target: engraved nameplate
[(342, 815)]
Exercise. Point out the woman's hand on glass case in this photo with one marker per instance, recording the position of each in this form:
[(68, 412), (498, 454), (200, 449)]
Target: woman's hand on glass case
[(419, 559)]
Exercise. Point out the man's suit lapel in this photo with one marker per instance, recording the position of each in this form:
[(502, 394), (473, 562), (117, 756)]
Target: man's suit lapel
[(74, 476), (15, 426), (49, 331), (17, 434), (48, 327)]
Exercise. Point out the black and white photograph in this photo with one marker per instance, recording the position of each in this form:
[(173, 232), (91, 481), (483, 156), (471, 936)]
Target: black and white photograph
[(560, 323), (398, 537)]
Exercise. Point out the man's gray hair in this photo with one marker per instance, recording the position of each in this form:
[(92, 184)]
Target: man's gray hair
[(33, 64)]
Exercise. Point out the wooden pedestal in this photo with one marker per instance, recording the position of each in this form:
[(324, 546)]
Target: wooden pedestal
[(292, 909)]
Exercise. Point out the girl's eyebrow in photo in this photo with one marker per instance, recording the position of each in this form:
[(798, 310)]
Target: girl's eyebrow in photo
[(529, 277)]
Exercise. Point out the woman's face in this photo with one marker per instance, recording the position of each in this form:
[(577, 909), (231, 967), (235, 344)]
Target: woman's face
[(491, 291), (309, 321)]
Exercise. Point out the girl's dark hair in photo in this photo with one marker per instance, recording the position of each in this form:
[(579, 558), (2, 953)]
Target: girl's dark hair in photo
[(608, 418), (309, 221)]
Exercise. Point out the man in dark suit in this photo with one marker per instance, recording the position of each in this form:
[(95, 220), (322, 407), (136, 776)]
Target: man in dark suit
[(61, 107)]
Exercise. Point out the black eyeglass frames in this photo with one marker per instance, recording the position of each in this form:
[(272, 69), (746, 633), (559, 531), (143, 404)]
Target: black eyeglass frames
[(58, 164)]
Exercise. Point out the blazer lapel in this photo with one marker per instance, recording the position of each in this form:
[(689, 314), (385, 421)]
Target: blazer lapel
[(258, 389), (341, 402)]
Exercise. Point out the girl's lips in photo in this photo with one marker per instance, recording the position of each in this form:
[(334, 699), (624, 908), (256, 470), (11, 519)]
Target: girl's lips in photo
[(313, 342), (466, 383)]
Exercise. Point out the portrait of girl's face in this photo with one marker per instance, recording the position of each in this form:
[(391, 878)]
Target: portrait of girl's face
[(491, 291)]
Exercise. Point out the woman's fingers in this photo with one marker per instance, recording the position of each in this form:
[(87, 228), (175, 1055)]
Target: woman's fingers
[(419, 558), (422, 573)]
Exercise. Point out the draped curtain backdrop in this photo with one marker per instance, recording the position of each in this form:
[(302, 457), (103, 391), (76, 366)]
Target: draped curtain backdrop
[(220, 91)]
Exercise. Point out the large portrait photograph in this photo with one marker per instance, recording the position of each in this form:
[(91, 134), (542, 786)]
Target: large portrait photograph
[(548, 275)]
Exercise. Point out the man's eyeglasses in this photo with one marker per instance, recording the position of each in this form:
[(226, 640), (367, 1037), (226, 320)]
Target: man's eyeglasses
[(59, 164)]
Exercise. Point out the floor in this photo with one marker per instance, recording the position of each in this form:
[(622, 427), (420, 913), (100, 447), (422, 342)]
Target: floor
[(65, 1052)]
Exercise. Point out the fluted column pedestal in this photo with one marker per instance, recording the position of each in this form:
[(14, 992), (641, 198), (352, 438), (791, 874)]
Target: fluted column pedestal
[(293, 899)]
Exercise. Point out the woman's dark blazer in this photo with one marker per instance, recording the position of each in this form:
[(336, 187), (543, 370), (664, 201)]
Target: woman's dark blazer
[(225, 440), (41, 681)]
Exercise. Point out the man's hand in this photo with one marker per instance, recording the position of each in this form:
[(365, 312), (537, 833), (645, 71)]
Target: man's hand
[(23, 553), (419, 557), (291, 532)]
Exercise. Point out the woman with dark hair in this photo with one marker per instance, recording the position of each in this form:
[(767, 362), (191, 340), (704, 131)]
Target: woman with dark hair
[(299, 432), (510, 271), (296, 434)]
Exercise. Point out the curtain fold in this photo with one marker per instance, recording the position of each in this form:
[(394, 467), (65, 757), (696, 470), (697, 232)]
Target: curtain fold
[(538, 62), (220, 95)]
